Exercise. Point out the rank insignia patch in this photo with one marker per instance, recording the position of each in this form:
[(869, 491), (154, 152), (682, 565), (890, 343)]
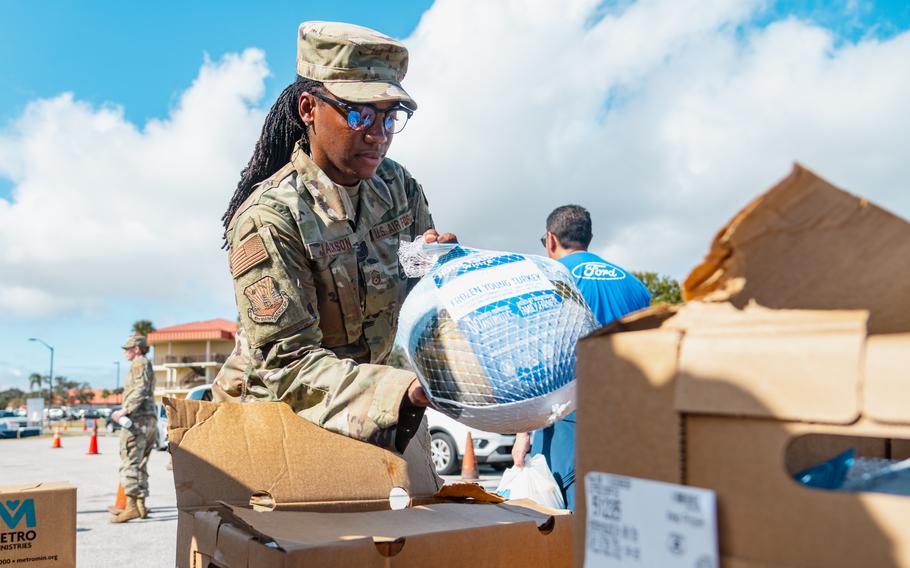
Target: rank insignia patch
[(267, 301), (247, 254)]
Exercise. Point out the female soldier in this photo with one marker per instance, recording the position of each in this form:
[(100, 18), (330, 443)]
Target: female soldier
[(138, 439), (313, 242)]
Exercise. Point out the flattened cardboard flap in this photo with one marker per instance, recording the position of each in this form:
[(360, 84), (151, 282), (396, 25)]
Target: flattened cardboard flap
[(229, 451), (804, 365), (806, 244), (296, 529)]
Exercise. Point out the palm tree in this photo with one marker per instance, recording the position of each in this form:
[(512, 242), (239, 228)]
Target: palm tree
[(62, 388), (143, 327), (35, 381)]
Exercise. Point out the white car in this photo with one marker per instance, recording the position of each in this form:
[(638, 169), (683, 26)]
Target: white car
[(449, 439), (162, 427), (14, 426), (202, 392), (55, 413)]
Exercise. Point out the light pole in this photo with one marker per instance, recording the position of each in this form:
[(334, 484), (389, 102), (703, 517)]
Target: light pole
[(118, 380), (50, 378)]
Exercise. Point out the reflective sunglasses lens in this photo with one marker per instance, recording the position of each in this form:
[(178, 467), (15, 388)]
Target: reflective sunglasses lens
[(395, 121), (358, 120)]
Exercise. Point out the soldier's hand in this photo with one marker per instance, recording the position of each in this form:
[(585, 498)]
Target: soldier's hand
[(117, 415), (433, 236), (416, 395)]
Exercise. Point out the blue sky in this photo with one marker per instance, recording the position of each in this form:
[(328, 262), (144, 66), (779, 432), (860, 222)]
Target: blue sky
[(140, 59), (140, 56)]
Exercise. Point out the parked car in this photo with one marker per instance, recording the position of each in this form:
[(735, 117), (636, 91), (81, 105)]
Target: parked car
[(90, 413), (448, 440), (14, 426), (202, 392), (161, 442), (56, 413)]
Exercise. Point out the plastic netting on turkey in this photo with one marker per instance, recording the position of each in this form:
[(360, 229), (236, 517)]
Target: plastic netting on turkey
[(492, 335)]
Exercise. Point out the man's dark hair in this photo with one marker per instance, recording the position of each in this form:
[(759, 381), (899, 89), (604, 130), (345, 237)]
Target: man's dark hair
[(282, 129), (572, 226)]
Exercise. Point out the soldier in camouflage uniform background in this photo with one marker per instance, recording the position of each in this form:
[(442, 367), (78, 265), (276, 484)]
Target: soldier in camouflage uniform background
[(137, 441), (313, 231)]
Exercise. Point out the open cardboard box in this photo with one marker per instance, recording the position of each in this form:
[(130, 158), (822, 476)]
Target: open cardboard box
[(257, 486), (729, 394)]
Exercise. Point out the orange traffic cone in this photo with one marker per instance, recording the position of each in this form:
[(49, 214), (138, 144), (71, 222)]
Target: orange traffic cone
[(93, 443), (66, 426), (469, 462), (84, 424), (120, 503), (56, 443)]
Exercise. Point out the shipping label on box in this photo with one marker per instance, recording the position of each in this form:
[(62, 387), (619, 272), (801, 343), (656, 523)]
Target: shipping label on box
[(38, 525), (644, 523)]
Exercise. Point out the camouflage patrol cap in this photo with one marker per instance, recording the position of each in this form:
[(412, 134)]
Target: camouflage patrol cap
[(354, 63), (135, 341)]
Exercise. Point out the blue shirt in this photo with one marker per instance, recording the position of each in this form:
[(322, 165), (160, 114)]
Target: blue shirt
[(611, 293)]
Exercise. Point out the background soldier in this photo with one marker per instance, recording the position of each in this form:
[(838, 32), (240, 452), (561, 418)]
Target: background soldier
[(138, 440)]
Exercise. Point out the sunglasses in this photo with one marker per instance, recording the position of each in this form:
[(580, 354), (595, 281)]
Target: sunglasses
[(362, 116), (543, 240)]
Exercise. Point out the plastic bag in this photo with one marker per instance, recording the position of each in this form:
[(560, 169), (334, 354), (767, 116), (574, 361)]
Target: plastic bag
[(534, 481), (492, 335), (846, 472)]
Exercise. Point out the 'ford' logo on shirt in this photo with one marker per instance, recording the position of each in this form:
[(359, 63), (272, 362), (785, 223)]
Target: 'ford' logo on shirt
[(597, 271)]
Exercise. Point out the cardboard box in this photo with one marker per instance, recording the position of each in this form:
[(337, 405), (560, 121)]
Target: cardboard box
[(806, 244), (258, 486), (38, 525), (735, 397)]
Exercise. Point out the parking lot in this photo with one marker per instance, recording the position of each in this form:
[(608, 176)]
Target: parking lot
[(148, 543)]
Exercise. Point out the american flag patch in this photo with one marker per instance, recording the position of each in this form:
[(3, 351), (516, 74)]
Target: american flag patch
[(247, 254)]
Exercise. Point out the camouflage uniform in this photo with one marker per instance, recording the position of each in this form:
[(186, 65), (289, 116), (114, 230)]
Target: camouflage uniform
[(137, 441), (315, 266)]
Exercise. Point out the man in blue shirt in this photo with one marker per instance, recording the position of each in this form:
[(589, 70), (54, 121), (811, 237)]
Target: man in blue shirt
[(611, 293)]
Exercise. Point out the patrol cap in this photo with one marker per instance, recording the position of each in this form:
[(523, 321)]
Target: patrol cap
[(354, 63), (135, 341)]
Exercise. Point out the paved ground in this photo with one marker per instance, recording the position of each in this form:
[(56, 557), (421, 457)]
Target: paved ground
[(148, 543), (98, 542)]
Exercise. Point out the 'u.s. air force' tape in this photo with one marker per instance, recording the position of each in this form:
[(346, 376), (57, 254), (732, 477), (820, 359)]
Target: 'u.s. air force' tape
[(648, 524)]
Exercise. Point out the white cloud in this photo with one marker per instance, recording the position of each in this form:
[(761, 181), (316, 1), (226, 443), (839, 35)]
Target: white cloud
[(104, 210), (663, 117)]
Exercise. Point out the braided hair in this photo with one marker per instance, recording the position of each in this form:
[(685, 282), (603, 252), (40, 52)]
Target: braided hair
[(282, 129)]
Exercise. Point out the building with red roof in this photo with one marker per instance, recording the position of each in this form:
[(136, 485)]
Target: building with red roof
[(190, 354)]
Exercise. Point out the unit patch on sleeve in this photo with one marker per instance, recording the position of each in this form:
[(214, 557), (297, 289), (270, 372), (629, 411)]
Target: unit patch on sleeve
[(267, 301), (247, 254)]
